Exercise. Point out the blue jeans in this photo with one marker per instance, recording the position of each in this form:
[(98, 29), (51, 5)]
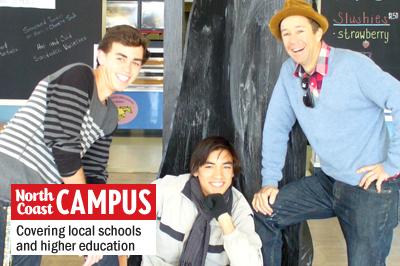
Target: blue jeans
[(367, 218)]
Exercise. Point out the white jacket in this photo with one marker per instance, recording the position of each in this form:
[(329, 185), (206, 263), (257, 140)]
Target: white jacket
[(176, 215)]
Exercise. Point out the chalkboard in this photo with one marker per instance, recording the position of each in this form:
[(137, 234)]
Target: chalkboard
[(368, 26), (36, 42)]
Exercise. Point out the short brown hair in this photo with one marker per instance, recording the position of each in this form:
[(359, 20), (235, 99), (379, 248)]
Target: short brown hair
[(205, 147), (314, 25), (125, 35)]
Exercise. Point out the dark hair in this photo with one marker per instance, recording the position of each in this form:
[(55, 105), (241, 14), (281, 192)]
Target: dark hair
[(205, 147), (314, 25), (125, 35)]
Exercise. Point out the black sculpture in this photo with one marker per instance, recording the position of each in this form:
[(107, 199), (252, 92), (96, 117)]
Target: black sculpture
[(231, 63)]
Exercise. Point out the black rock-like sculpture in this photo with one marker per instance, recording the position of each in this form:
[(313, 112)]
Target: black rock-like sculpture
[(230, 66), (203, 104)]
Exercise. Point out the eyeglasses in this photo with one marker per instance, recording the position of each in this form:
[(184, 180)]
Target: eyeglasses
[(308, 99)]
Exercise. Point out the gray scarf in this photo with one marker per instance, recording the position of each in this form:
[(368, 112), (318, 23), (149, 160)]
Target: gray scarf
[(195, 248)]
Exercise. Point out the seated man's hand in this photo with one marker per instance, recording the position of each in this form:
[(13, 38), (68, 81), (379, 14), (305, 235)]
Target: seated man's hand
[(264, 198), (215, 203)]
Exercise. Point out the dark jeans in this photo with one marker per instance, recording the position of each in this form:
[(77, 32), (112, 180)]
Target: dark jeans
[(367, 218)]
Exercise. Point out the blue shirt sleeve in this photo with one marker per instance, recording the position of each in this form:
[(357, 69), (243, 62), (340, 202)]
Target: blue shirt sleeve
[(278, 123)]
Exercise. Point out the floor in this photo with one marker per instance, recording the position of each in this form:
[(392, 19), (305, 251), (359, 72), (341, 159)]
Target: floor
[(136, 160)]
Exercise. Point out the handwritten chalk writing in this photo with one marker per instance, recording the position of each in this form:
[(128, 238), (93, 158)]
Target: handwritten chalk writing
[(364, 35), (9, 52), (71, 16), (56, 24), (48, 24), (69, 45), (36, 33), (40, 46), (54, 42), (64, 37), (393, 15), (347, 18), (53, 19), (47, 55), (34, 27), (5, 50), (361, 25), (4, 46), (62, 42)]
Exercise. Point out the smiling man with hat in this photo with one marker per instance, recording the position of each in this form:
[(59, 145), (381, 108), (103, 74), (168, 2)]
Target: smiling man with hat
[(338, 97)]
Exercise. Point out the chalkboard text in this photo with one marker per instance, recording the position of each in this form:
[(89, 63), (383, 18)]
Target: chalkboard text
[(55, 46), (364, 34), (46, 55), (48, 24), (6, 50), (347, 18)]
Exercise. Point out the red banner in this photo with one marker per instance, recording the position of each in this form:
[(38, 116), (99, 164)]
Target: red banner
[(83, 202)]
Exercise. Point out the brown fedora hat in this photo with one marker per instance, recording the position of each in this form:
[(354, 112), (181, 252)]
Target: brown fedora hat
[(296, 8)]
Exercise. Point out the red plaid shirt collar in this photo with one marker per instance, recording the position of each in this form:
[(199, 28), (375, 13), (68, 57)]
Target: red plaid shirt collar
[(322, 63), (319, 72)]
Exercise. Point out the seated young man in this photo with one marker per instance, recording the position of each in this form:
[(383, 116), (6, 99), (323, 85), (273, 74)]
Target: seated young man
[(202, 219)]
